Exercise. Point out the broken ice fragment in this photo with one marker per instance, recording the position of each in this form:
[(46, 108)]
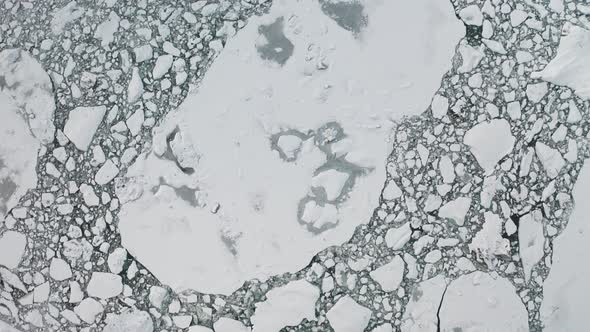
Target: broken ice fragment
[(347, 315), (550, 158), (285, 305), (439, 106), (106, 173), (456, 210), (319, 216), (135, 88), (391, 191), (163, 64), (88, 309), (489, 142), (59, 269), (396, 238), (390, 275), (104, 285), (82, 123), (536, 92)]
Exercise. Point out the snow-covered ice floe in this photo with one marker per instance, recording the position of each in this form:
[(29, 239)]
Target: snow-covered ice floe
[(280, 152)]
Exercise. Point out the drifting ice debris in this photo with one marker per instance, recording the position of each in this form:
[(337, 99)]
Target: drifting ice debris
[(163, 64), (347, 315), (439, 106), (332, 181), (471, 15), (570, 66), (88, 309), (490, 142), (286, 305), (82, 123)]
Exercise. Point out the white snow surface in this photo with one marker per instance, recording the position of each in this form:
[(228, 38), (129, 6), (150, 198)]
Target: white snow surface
[(246, 219), (566, 289), (285, 306), (570, 67), (482, 302)]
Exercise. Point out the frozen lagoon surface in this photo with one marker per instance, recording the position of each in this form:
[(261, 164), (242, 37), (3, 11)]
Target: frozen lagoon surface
[(292, 157), (311, 165)]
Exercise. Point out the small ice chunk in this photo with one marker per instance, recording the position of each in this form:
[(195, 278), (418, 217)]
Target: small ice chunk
[(447, 169), (489, 142), (143, 53), (332, 181), (471, 57), (439, 106), (59, 269), (162, 66), (89, 195), (12, 248), (229, 325), (106, 173), (471, 15), (135, 121), (432, 202), (517, 17), (570, 67), (116, 260), (456, 210), (383, 328), (286, 305), (391, 191), (390, 275), (550, 158), (199, 328), (536, 92), (531, 241), (88, 309), (82, 124), (347, 315), (396, 238), (106, 30), (135, 88), (104, 285)]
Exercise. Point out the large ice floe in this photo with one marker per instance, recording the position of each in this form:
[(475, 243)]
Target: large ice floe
[(566, 288), (27, 108), (280, 152)]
